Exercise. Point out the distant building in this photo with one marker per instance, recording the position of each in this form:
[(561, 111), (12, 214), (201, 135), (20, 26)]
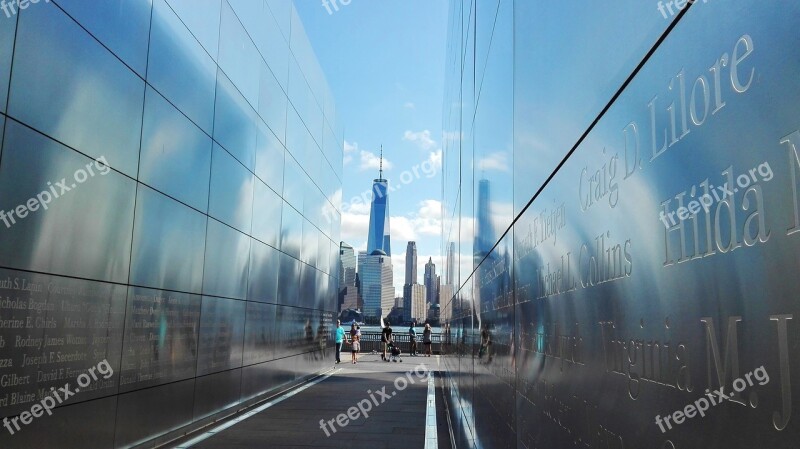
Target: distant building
[(411, 281), (446, 302), (375, 268), (378, 237), (430, 282), (377, 290), (434, 313), (438, 286), (348, 288), (450, 268), (411, 263), (414, 306), (347, 269)]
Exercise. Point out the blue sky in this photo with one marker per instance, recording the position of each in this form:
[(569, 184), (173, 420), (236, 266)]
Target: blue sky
[(384, 62)]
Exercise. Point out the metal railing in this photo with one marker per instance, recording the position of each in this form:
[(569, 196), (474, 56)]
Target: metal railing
[(371, 341)]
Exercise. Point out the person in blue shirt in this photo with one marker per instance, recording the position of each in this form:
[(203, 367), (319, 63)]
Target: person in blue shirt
[(339, 339), (412, 337)]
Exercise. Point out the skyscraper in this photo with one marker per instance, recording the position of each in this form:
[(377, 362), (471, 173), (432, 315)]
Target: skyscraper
[(348, 290), (414, 302), (450, 274), (411, 263), (378, 238), (430, 282), (375, 268), (375, 276), (347, 269)]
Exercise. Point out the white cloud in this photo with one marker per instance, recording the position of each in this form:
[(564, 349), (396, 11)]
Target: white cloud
[(409, 105), (354, 227), (495, 161), (402, 228), (430, 209), (435, 159), (348, 150), (422, 139), (360, 208), (371, 161)]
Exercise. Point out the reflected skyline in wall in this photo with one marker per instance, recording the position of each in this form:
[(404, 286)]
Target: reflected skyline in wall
[(582, 320)]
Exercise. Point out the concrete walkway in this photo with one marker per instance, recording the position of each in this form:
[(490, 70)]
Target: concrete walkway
[(400, 391)]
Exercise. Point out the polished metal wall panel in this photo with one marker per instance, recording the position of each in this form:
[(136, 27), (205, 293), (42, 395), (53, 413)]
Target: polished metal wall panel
[(176, 155), (161, 338), (308, 286), (7, 30), (85, 425), (180, 68), (282, 12), (2, 131), (289, 280), (227, 261), (168, 243), (267, 207), (261, 378), (50, 240), (323, 253), (238, 56), (63, 78), (221, 335), (652, 274), (297, 139), (665, 299), (291, 229), (234, 122), (260, 333), (217, 392), (52, 330), (310, 241), (269, 157), (203, 22), (123, 26), (153, 411), (552, 108), (231, 191), (140, 261), (312, 72), (264, 268), (273, 44)]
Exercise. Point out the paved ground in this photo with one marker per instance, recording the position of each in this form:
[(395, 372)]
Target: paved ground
[(398, 421)]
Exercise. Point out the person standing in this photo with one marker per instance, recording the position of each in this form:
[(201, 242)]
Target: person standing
[(426, 339), (355, 338), (412, 338), (339, 339), (386, 338)]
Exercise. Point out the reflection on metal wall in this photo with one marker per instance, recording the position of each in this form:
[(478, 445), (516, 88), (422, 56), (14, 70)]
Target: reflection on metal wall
[(145, 225), (644, 294)]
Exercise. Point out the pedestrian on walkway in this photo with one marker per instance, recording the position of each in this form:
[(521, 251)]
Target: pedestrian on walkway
[(386, 337), (355, 338), (412, 338), (339, 339), (426, 339)]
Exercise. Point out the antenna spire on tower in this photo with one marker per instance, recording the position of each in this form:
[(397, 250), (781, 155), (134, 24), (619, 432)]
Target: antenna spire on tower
[(381, 165)]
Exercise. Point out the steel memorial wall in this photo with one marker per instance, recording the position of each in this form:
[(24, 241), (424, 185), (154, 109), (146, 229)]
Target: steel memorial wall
[(168, 237), (634, 284)]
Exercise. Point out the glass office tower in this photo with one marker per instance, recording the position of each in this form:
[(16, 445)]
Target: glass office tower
[(167, 171), (376, 284), (620, 182), (379, 237)]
